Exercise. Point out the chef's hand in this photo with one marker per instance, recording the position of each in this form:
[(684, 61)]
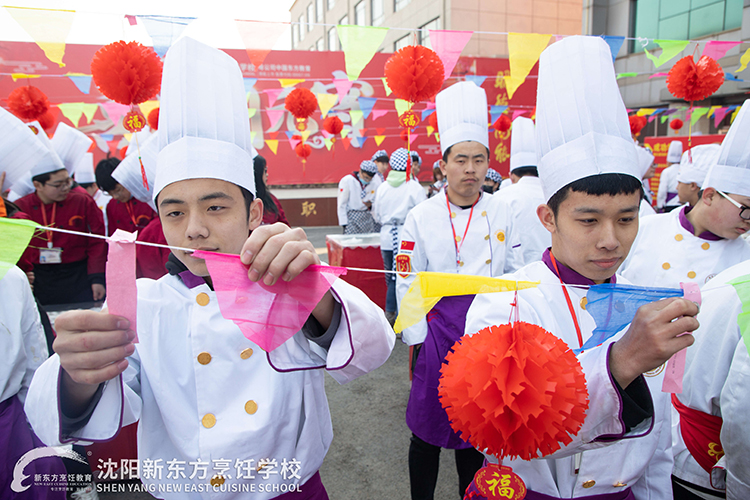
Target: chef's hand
[(655, 334), (277, 251), (92, 347), (98, 291)]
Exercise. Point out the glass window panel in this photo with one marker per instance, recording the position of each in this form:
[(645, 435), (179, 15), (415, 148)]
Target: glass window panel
[(301, 22), (706, 20), (646, 22), (332, 39), (320, 45), (331, 4), (733, 14), (695, 4), (344, 20), (674, 28), (401, 43), (295, 35), (424, 33), (669, 8), (319, 11), (310, 15), (376, 12), (359, 13), (400, 4)]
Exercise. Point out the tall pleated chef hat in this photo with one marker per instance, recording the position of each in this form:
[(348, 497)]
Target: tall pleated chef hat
[(731, 173), (645, 159), (703, 157), (462, 115), (70, 145), (522, 144), (582, 126), (674, 154), (203, 131), (50, 162), (19, 148), (84, 171), (137, 140), (128, 172)]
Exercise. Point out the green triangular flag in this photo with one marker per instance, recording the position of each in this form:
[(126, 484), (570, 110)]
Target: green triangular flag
[(670, 48), (359, 44), (15, 235)]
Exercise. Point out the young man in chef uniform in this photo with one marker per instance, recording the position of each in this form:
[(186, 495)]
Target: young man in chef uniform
[(666, 195), (692, 171), (201, 391), (591, 181)]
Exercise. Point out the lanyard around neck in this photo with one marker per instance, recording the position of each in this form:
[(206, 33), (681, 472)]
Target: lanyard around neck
[(51, 223), (567, 299), (456, 239)]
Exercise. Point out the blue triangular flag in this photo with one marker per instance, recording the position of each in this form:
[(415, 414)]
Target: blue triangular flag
[(107, 137), (358, 142), (164, 30), (366, 104), (496, 111), (427, 112), (82, 82), (730, 76), (289, 134), (249, 83), (614, 42), (478, 80)]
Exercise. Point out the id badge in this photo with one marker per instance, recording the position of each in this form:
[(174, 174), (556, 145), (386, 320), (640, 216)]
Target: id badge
[(50, 255)]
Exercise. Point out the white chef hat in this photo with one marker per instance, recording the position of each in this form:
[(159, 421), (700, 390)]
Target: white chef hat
[(21, 187), (675, 152), (50, 162), (203, 131), (522, 143), (70, 145), (368, 166), (380, 153), (128, 172), (582, 127), (731, 173), (462, 115), (704, 156), (645, 159), (19, 148), (137, 139), (84, 171)]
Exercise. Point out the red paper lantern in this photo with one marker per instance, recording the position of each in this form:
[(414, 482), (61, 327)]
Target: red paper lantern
[(134, 121), (333, 125), (676, 124), (502, 124), (637, 123), (127, 72), (301, 103), (404, 134), (153, 119), (514, 390), (28, 103), (303, 151), (414, 73), (47, 121), (694, 81)]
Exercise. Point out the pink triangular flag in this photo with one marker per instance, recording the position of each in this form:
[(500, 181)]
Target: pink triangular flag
[(342, 87), (448, 46), (377, 113), (115, 110), (719, 115), (716, 49), (273, 95), (259, 37), (293, 142), (274, 115), (517, 113), (266, 315)]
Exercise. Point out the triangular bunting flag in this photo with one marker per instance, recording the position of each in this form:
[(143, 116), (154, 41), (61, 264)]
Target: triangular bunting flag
[(670, 48), (426, 113), (697, 115), (83, 82), (448, 46), (89, 110), (362, 132), (517, 113), (430, 130), (251, 112), (645, 111), (304, 134), (259, 38), (326, 102), (744, 60), (328, 143), (719, 115), (625, 75), (17, 234), (379, 139), (716, 49), (49, 28), (164, 30), (148, 106), (386, 87), (274, 115), (293, 142), (290, 82), (20, 76), (615, 43), (496, 111), (359, 44), (402, 106), (342, 88), (345, 132), (356, 116), (366, 104), (664, 118), (273, 145), (115, 110), (252, 136), (377, 113), (249, 83), (273, 95), (346, 141), (360, 142), (477, 80), (72, 111), (524, 50)]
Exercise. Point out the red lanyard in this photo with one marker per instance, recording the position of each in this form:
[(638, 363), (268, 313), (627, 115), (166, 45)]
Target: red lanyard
[(129, 208), (44, 218), (466, 231), (567, 299)]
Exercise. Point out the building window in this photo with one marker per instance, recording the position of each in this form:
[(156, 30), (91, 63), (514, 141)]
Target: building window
[(401, 43), (359, 14), (295, 35), (331, 4), (320, 45), (376, 12), (332, 39), (319, 11), (423, 36), (310, 15), (682, 20), (301, 26), (400, 4), (344, 21)]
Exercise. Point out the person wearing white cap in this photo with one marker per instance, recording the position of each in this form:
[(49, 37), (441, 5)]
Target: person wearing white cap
[(393, 200), (692, 171), (125, 212), (462, 230), (666, 195), (416, 164), (67, 268), (438, 180), (354, 213), (201, 390), (492, 180), (381, 159), (525, 194), (694, 243), (84, 176), (646, 163), (711, 443), (591, 181)]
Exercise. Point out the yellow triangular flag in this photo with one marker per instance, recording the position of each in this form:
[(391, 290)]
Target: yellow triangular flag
[(127, 137), (379, 139), (19, 76), (48, 28), (711, 111), (273, 144), (251, 112), (290, 82), (326, 102), (345, 132), (387, 88), (523, 53), (402, 106), (72, 111), (89, 110), (437, 137), (430, 130), (328, 143), (304, 134), (645, 111), (356, 116), (148, 106)]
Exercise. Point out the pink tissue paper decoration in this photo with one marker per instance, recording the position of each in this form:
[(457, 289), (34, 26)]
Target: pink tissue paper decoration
[(675, 369), (342, 87), (267, 315), (377, 113), (122, 292), (716, 49), (448, 46)]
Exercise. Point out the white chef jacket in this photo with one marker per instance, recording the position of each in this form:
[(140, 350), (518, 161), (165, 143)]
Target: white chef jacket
[(372, 188), (668, 184), (665, 254), (523, 198), (22, 339), (201, 390), (645, 209), (640, 459), (716, 381), (391, 206), (427, 241), (349, 197), (102, 199)]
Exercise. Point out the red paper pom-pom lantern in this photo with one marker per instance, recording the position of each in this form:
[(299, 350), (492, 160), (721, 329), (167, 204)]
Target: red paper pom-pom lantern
[(47, 121), (502, 124), (415, 73), (432, 120), (514, 390), (303, 150), (637, 123), (695, 81), (153, 119), (404, 135), (333, 125), (28, 103), (676, 124), (301, 103), (127, 72)]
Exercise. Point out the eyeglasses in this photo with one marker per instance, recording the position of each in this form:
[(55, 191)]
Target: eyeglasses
[(61, 184), (744, 211)]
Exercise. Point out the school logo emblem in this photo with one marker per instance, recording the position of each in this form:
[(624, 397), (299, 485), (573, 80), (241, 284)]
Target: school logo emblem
[(403, 265), (50, 451)]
